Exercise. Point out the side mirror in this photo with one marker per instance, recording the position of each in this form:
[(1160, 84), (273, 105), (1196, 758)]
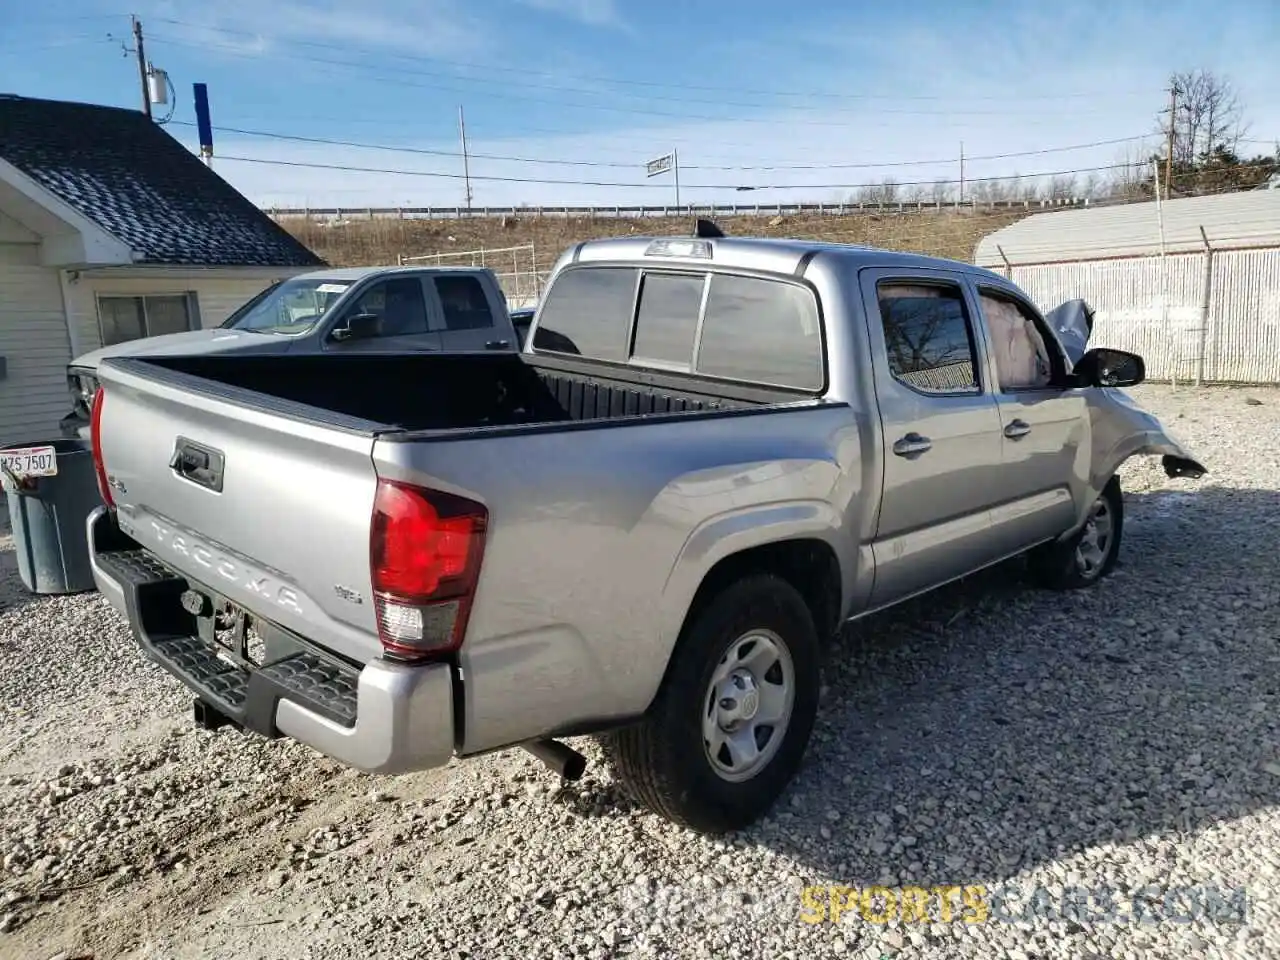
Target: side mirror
[(359, 326), (1104, 367)]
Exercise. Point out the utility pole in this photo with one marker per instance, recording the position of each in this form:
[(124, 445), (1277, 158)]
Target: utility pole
[(1173, 122), (675, 165), (962, 171), (466, 162), (142, 64)]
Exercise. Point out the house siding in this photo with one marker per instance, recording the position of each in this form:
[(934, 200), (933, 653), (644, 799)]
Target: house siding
[(34, 343), (217, 296)]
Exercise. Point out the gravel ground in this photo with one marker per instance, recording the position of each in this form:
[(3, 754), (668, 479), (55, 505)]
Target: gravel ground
[(1123, 740)]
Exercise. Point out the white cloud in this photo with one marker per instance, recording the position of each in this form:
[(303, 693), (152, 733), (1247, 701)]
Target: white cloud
[(422, 27), (596, 13), (913, 93)]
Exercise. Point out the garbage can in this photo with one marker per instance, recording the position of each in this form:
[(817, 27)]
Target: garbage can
[(51, 490)]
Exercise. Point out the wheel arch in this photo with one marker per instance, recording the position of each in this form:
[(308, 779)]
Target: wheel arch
[(808, 563)]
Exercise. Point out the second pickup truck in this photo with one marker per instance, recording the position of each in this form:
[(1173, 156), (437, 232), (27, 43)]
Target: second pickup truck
[(712, 453)]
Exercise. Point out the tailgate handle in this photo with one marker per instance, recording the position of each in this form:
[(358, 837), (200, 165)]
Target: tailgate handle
[(200, 464)]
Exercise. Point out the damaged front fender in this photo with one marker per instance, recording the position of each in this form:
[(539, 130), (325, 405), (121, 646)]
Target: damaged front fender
[(1176, 465), (1122, 429)]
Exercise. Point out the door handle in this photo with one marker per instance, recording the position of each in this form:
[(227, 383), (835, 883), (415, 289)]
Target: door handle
[(912, 445), (497, 345), (1016, 430)]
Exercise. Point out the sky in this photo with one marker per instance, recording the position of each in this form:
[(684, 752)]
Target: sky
[(565, 100)]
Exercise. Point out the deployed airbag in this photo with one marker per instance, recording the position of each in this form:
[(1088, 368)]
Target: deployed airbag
[(1072, 323)]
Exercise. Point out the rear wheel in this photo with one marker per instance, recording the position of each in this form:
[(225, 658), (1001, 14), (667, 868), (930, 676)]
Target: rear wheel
[(729, 727), (1090, 554)]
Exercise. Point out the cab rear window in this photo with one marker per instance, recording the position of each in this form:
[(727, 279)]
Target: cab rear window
[(588, 313), (747, 328)]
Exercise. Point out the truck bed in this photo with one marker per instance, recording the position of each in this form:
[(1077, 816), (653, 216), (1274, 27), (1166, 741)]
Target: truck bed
[(432, 392)]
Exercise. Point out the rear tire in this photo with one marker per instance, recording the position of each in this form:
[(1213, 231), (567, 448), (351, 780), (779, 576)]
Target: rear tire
[(1091, 553), (744, 673)]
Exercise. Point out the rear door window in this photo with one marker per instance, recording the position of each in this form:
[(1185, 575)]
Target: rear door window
[(762, 331), (928, 337), (464, 303)]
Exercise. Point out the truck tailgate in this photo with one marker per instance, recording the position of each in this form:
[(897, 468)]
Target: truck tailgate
[(270, 511)]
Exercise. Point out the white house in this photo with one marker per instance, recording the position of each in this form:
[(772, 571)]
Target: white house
[(110, 230)]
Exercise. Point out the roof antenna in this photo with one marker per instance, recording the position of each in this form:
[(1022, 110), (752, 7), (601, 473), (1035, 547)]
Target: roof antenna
[(707, 228)]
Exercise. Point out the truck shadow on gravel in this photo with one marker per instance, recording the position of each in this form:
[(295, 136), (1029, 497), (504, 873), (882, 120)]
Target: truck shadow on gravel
[(992, 727)]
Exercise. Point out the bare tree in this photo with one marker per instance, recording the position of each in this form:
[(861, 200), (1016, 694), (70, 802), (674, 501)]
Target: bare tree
[(1132, 177), (884, 193), (1209, 118), (997, 190), (914, 193), (1062, 187), (1092, 187), (941, 192)]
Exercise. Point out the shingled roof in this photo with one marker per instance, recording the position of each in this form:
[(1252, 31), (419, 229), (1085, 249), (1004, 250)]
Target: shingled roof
[(139, 184)]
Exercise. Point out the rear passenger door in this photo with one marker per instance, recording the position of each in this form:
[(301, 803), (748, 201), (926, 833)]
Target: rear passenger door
[(941, 430), (1044, 424), (468, 315)]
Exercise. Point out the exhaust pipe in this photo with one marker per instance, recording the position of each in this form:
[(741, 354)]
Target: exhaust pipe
[(566, 761)]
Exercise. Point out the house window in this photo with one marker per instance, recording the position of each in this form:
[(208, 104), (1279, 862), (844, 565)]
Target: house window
[(131, 318)]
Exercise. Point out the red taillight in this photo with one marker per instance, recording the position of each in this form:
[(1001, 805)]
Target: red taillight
[(95, 443), (424, 550)]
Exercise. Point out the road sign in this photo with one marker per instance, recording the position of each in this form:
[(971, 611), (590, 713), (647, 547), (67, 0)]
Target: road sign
[(661, 165)]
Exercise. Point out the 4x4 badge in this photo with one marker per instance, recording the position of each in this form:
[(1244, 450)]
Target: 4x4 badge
[(346, 593)]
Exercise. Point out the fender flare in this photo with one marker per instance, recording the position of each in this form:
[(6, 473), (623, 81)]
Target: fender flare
[(728, 534)]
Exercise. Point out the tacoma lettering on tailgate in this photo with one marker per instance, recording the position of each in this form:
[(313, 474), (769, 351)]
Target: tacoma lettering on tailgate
[(225, 568)]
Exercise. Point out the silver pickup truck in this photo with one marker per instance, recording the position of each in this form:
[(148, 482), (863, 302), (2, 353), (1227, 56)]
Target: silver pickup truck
[(712, 453), (333, 310)]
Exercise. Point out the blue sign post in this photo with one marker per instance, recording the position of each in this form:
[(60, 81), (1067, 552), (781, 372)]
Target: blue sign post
[(203, 125)]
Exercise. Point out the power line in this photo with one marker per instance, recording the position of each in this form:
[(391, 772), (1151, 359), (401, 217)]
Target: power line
[(630, 143), (633, 144), (425, 151), (525, 71), (629, 185), (384, 71), (920, 163), (63, 21), (59, 43)]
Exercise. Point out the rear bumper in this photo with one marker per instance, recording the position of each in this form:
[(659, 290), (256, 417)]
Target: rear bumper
[(381, 718)]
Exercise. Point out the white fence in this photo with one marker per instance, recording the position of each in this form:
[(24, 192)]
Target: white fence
[(516, 269), (346, 214), (1211, 317)]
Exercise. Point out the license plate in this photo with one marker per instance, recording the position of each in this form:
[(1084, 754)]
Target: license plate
[(30, 461)]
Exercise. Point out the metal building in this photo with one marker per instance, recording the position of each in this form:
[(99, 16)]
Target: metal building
[(1191, 284)]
